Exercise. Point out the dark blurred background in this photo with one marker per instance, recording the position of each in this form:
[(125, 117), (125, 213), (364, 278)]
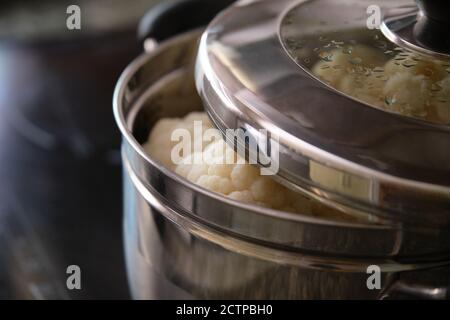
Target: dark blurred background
[(60, 175)]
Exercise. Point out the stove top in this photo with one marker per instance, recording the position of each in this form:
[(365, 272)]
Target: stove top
[(56, 210)]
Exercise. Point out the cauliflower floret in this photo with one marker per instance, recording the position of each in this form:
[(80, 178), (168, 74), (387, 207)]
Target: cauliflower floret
[(350, 60), (408, 84), (413, 64), (160, 144), (217, 167), (408, 94), (216, 183), (218, 173), (243, 196)]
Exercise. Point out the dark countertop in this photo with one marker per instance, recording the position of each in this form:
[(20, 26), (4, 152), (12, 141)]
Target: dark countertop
[(57, 210)]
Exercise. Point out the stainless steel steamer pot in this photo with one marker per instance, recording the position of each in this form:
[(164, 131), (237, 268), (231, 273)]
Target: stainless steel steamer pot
[(183, 241)]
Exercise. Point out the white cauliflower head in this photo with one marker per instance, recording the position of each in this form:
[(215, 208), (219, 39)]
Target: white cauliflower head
[(407, 84), (220, 169)]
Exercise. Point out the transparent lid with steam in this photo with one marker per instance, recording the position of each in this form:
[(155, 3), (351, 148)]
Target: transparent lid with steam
[(355, 91), (346, 50)]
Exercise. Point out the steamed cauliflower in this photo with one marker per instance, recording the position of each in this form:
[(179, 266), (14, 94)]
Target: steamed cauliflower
[(407, 84), (342, 62), (239, 181)]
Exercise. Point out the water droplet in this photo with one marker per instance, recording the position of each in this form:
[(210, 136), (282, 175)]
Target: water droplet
[(323, 38), (355, 60), (307, 60), (326, 56), (347, 50), (337, 43), (381, 45), (378, 69), (408, 63), (390, 100), (448, 70), (436, 87), (295, 44)]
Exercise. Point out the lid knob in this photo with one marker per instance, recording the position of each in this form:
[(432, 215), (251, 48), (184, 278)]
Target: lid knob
[(425, 29), (435, 10), (432, 29)]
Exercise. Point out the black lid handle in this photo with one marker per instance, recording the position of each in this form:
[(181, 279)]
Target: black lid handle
[(437, 10), (432, 29), (173, 17)]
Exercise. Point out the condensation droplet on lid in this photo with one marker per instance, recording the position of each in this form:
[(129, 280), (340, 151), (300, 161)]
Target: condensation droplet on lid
[(448, 70), (355, 60), (337, 43), (390, 100), (347, 50), (435, 87), (381, 45), (326, 56), (408, 63), (295, 44), (378, 69)]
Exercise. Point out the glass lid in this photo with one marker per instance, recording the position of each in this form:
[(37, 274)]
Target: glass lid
[(346, 50), (349, 99)]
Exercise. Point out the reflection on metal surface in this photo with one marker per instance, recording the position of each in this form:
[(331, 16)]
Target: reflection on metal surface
[(316, 122), (183, 241), (342, 182)]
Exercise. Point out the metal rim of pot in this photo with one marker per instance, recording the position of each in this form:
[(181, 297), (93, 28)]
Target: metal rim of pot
[(183, 195), (155, 183)]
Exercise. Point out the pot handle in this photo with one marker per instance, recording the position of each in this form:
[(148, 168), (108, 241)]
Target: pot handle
[(172, 17)]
